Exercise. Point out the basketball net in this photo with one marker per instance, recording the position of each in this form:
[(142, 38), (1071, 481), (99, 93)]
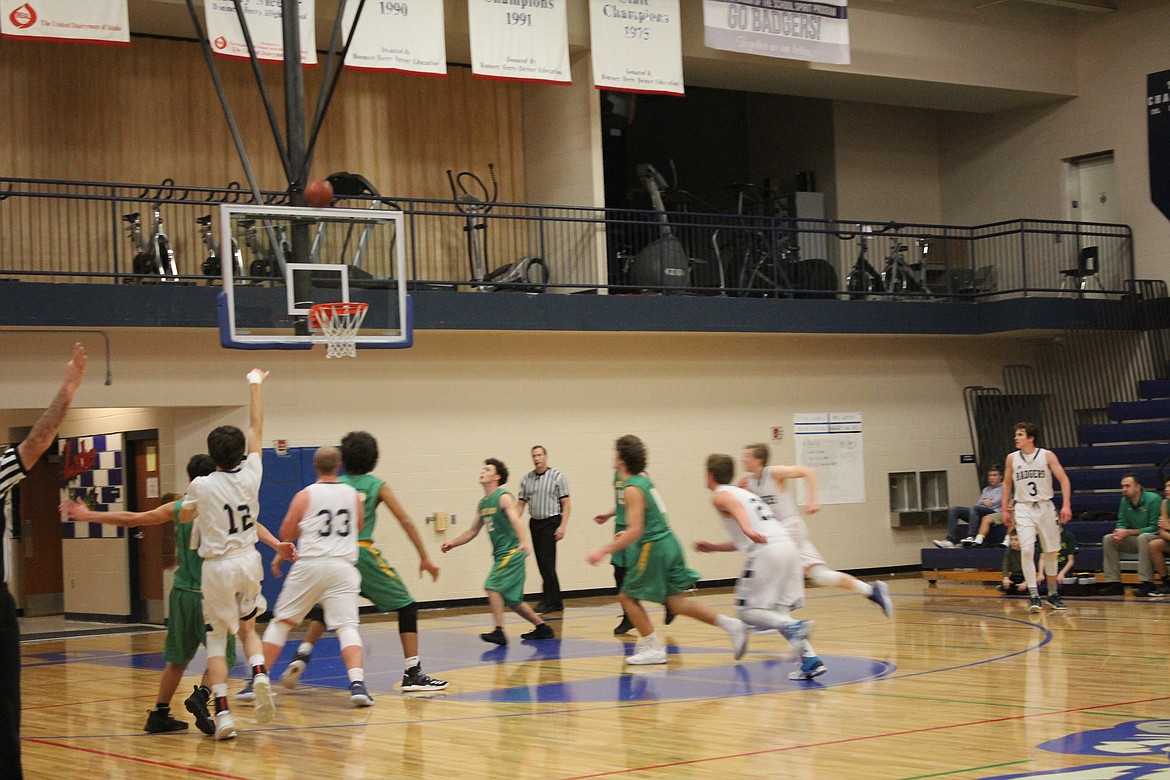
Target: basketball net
[(339, 324)]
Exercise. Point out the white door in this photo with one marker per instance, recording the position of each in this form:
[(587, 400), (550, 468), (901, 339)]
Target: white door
[(1092, 194)]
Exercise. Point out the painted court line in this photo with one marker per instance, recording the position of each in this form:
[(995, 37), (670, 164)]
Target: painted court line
[(135, 759), (924, 730)]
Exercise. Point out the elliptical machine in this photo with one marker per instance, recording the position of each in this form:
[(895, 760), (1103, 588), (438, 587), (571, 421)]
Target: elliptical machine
[(663, 262), (528, 274)]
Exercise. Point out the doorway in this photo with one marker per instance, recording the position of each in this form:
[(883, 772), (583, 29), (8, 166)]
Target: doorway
[(1091, 189), (151, 547)]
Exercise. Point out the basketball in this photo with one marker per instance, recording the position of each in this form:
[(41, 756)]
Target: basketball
[(319, 193)]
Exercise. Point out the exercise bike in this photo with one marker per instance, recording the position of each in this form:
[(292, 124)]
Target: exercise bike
[(212, 266), (663, 262), (265, 264), (528, 274), (153, 257)]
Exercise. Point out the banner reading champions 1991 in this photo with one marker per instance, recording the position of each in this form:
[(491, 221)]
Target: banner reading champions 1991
[(525, 40), (811, 31), (636, 48)]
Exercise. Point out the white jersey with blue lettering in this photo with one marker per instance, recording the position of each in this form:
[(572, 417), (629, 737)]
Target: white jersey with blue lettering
[(761, 519), (782, 505), (1031, 476), (329, 527), (227, 508)]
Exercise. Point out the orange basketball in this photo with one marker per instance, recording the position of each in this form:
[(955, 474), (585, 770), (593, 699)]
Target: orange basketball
[(319, 193)]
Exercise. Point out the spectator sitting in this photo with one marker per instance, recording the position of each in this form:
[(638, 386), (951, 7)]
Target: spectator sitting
[(1137, 526), (1159, 546), (1013, 567), (990, 501), (985, 526)]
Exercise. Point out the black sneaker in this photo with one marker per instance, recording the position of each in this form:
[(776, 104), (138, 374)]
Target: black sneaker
[(1056, 602), (415, 680), (1163, 589), (196, 704), (161, 722), (1034, 605), (543, 631), (623, 627), (496, 637), (544, 609), (1111, 589), (670, 616), (296, 667), (1144, 590)]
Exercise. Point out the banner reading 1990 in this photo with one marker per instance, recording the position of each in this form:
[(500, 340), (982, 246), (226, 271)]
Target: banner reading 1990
[(790, 29), (525, 40), (94, 21), (264, 26), (637, 46), (403, 35)]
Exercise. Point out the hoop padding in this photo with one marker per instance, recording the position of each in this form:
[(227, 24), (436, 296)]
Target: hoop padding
[(339, 324)]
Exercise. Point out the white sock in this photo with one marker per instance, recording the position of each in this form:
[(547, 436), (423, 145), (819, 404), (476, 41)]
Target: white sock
[(864, 588), (357, 674), (978, 539), (411, 662), (256, 660), (306, 648), (651, 639), (726, 623), (218, 690)]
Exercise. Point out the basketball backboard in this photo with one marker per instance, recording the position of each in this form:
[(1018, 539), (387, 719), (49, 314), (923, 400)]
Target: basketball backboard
[(292, 258)]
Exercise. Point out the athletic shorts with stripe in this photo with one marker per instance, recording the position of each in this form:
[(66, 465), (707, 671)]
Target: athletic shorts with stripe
[(186, 629), (507, 577), (380, 581), (660, 570)]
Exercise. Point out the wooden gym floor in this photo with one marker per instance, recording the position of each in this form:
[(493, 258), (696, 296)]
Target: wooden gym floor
[(961, 683)]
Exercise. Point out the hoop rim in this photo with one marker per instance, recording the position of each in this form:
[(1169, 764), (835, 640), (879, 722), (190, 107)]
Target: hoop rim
[(320, 311)]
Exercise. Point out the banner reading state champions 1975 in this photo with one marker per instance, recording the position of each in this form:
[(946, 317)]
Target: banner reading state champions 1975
[(811, 31), (637, 46)]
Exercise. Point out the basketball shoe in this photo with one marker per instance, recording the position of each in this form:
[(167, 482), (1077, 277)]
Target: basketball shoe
[(292, 673)]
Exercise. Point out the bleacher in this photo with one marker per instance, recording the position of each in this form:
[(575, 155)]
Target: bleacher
[(1135, 441)]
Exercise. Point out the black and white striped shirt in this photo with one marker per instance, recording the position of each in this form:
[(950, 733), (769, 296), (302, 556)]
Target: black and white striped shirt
[(11, 472), (543, 493)]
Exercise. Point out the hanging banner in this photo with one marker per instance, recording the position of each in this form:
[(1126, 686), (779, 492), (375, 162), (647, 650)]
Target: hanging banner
[(523, 40), (94, 21), (1158, 131), (405, 36), (810, 31), (264, 25), (636, 49)]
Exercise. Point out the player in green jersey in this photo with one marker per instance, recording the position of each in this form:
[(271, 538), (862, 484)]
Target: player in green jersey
[(505, 584)]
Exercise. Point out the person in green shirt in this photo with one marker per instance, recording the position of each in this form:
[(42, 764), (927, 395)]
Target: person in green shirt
[(497, 511), (1013, 567), (1137, 526), (381, 583), (658, 571), (186, 629)]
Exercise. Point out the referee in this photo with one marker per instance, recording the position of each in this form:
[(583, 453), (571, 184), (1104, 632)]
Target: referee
[(15, 463), (546, 494)]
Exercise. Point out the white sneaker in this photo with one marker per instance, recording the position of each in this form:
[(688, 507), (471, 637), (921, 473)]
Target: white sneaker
[(945, 544), (225, 725), (968, 542), (739, 638), (647, 654), (292, 673), (265, 703)]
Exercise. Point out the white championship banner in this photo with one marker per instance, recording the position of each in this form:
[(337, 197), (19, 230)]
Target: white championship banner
[(811, 31), (636, 48), (94, 21), (524, 40), (264, 25), (406, 36)]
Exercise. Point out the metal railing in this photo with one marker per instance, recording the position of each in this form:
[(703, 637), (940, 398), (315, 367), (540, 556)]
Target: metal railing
[(55, 230)]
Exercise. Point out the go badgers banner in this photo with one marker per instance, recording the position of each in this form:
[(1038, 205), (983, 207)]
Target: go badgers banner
[(524, 40), (406, 36), (95, 21), (636, 49), (264, 25), (811, 31)]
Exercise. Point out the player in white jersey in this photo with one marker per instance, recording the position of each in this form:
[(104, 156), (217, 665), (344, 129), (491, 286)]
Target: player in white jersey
[(770, 484), (225, 509), (325, 519), (1028, 507), (772, 583)]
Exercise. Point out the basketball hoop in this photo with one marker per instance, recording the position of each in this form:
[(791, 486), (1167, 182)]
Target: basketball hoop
[(339, 324)]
